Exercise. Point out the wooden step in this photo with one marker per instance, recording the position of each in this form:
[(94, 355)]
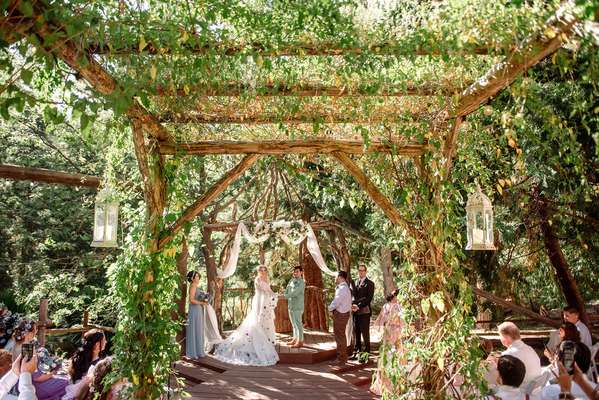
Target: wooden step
[(351, 367), (208, 362)]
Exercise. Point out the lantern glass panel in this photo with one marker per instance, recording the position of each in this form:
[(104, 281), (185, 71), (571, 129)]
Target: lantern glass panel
[(111, 221), (99, 223)]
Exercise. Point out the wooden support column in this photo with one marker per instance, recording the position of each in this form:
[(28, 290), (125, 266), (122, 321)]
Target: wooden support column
[(42, 322), (561, 268), (387, 269), (200, 204), (215, 284), (515, 307), (182, 292)]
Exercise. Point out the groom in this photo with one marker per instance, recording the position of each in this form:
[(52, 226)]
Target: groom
[(294, 293)]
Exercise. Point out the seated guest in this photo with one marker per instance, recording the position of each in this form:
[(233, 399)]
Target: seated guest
[(582, 360), (47, 385), (511, 375), (572, 315), (509, 335), (567, 331), (24, 332), (83, 362), (20, 372), (5, 362), (99, 389)]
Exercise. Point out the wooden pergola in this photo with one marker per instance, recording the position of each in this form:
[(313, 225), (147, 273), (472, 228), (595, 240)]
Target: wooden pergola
[(154, 140)]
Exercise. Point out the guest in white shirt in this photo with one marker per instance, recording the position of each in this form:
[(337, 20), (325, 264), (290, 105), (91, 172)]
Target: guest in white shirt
[(579, 385), (572, 315), (21, 372), (511, 374), (340, 307), (510, 338)]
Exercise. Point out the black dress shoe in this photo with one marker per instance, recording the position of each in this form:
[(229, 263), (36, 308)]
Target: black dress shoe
[(354, 356)]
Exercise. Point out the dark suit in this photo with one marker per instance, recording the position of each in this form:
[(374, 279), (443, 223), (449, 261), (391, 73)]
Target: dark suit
[(362, 295)]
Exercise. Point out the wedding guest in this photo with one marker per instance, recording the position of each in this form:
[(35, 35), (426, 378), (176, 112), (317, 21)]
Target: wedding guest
[(194, 341), (98, 388), (567, 331), (24, 332), (565, 380), (582, 358), (47, 385), (390, 320), (510, 337), (572, 315), (511, 375), (294, 293), (83, 362), (340, 307), (362, 294), (5, 362), (20, 372)]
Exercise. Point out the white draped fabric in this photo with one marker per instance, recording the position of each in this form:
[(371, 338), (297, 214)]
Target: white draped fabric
[(263, 231), (211, 334)]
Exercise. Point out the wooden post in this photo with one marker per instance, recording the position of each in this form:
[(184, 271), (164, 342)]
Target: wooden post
[(42, 322), (179, 314), (387, 268)]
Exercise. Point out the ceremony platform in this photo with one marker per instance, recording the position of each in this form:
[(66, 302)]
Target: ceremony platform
[(208, 378)]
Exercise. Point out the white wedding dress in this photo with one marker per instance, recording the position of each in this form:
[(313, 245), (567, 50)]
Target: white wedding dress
[(253, 342)]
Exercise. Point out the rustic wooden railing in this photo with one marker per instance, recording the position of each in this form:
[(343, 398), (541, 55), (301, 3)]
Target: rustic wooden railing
[(44, 322)]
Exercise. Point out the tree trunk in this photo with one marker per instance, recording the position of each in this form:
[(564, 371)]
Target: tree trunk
[(180, 313), (387, 268), (214, 283), (314, 309), (560, 265)]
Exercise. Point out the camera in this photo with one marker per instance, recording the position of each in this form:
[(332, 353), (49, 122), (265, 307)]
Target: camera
[(27, 351), (567, 353)]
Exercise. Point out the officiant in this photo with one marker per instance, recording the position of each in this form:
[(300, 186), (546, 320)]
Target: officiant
[(294, 293), (362, 290)]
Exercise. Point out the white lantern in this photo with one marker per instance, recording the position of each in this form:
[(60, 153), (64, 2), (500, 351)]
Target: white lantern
[(479, 221), (106, 216)]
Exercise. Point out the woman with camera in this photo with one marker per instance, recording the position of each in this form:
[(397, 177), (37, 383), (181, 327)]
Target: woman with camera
[(47, 385), (83, 362)]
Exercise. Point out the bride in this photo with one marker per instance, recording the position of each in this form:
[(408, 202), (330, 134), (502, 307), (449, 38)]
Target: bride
[(253, 342)]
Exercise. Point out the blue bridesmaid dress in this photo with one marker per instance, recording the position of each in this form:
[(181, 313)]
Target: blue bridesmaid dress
[(194, 342)]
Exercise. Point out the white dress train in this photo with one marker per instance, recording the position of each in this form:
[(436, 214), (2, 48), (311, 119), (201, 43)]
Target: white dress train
[(253, 342)]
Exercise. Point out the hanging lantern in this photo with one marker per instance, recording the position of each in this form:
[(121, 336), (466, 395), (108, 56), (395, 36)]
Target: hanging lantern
[(479, 221), (106, 215)]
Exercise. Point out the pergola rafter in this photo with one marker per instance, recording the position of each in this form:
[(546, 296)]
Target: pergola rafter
[(280, 147), (310, 90), (197, 47)]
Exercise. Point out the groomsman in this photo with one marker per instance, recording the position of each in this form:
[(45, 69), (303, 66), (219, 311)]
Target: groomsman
[(362, 294), (340, 307), (294, 293)]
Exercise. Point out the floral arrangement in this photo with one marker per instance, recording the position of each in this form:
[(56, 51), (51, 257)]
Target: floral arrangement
[(46, 362)]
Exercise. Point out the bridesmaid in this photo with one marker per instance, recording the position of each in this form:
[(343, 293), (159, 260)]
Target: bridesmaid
[(194, 342)]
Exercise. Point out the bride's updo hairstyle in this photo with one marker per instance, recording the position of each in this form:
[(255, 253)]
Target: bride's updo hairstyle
[(191, 275)]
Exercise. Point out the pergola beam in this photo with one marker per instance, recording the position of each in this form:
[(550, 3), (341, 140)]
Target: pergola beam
[(89, 69), (15, 172), (201, 203), (537, 47), (309, 90), (298, 49), (294, 119), (369, 187), (308, 146)]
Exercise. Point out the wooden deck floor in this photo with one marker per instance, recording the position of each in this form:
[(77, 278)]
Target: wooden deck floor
[(209, 378)]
